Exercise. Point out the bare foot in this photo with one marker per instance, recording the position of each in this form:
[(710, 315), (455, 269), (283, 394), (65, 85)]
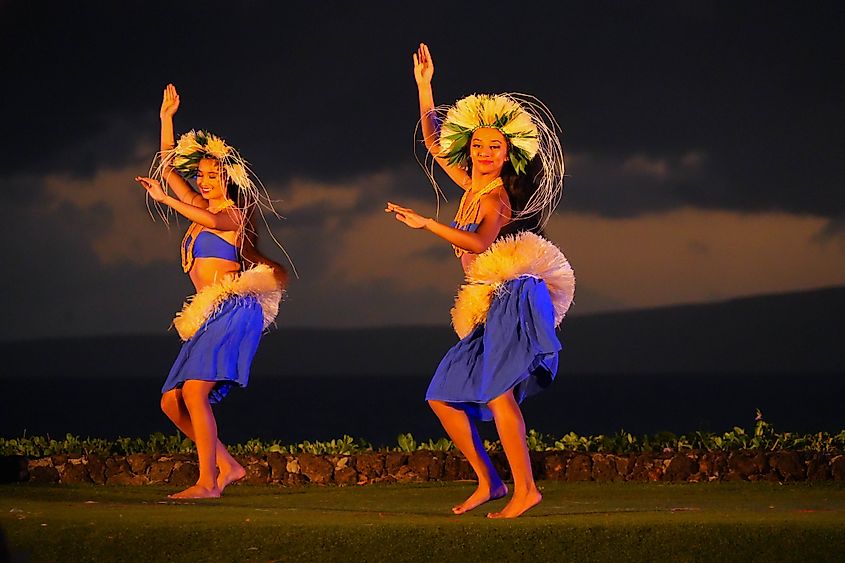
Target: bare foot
[(518, 505), (229, 475), (480, 496), (197, 491)]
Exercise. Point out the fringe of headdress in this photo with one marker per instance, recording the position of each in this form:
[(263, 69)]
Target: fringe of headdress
[(528, 125), (514, 256), (258, 281)]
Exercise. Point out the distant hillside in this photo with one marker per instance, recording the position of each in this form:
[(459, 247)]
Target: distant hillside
[(794, 332), (788, 333)]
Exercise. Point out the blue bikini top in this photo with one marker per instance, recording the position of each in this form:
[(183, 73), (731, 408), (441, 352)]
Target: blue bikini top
[(205, 245), (210, 245)]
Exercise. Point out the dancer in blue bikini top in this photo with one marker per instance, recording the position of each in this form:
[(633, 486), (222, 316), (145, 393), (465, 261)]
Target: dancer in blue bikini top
[(503, 151), (223, 322), (206, 244)]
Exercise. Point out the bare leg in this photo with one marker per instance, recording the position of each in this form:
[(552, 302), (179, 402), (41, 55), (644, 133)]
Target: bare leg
[(465, 436), (174, 407), (511, 428), (195, 394)]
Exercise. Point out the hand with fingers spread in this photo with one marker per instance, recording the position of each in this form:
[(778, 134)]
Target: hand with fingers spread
[(153, 187), (169, 102), (429, 123), (181, 188), (407, 216), (423, 65)]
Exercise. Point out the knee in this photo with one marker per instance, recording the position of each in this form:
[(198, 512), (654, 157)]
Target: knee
[(195, 396), (170, 402)]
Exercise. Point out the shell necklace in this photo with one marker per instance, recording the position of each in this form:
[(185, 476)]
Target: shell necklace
[(190, 238), (469, 207)]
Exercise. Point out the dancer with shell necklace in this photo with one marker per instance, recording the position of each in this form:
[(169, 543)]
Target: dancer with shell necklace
[(238, 289), (503, 151)]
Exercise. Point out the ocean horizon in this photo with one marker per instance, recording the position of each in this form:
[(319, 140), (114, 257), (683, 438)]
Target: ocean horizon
[(678, 369), (378, 408)]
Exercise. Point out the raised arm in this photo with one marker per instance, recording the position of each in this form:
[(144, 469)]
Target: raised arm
[(182, 189), (494, 213), (230, 219), (423, 73)]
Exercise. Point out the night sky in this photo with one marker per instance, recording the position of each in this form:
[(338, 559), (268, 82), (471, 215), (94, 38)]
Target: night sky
[(704, 148)]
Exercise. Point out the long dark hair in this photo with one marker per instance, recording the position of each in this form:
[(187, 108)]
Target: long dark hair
[(520, 188)]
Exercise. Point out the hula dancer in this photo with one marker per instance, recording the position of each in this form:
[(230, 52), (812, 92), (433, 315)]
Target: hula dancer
[(503, 152), (237, 289)]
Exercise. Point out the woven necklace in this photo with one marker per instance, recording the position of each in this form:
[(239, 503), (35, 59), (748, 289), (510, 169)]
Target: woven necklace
[(469, 208), (190, 239)]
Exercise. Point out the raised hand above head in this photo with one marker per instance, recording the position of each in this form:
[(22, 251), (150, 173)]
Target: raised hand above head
[(423, 65), (169, 102)]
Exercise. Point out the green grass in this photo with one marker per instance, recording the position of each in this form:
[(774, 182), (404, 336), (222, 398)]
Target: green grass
[(576, 521)]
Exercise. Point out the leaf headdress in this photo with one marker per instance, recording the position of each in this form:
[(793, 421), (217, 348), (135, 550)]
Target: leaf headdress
[(193, 146), (531, 132)]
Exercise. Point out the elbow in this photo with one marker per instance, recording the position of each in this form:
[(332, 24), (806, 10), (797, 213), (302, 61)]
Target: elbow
[(479, 245), (473, 246)]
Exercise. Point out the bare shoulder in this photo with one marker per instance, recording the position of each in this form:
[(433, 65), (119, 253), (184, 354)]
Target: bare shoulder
[(496, 202), (497, 198)]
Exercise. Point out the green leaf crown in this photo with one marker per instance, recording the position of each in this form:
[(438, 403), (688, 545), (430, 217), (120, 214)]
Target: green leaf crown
[(497, 111), (193, 146)]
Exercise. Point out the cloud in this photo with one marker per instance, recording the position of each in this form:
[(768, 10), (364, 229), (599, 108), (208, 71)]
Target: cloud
[(130, 235), (693, 255), (88, 259), (322, 100), (303, 194), (57, 285), (358, 266), (628, 185)]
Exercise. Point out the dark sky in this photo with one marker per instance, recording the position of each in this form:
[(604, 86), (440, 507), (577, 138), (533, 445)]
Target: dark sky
[(704, 145)]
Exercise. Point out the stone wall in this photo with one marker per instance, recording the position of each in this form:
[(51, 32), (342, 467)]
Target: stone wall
[(425, 465)]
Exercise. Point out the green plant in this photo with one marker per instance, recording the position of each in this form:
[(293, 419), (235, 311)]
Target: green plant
[(761, 437), (406, 442)]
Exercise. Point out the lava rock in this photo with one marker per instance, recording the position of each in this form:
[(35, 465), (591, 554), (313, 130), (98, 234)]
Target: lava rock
[(185, 474), (318, 469), (579, 468)]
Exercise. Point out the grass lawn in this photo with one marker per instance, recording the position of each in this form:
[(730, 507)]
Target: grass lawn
[(576, 521)]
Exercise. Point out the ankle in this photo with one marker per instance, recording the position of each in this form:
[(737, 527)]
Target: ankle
[(525, 489)]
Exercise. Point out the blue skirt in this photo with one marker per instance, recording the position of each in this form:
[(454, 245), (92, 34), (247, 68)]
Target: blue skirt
[(222, 349), (516, 348)]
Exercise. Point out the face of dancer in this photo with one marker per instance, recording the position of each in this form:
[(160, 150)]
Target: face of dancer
[(488, 150), (210, 179)]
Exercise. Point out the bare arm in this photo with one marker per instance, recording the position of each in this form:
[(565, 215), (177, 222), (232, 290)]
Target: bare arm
[(182, 189), (494, 213), (230, 219), (423, 73)]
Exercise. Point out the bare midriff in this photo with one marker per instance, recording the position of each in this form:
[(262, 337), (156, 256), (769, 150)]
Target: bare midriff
[(467, 259), (207, 271)]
